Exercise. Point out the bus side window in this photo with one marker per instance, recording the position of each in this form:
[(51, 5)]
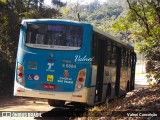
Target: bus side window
[(129, 58), (94, 49), (106, 56), (108, 53), (113, 55), (124, 58)]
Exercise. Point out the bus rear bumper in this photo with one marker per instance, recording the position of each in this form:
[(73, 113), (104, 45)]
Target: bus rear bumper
[(79, 96)]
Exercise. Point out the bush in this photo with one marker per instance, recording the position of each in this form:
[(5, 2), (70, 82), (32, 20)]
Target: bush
[(6, 76), (153, 68)]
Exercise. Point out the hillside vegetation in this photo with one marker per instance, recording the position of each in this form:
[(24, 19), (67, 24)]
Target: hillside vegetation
[(100, 15), (138, 104)]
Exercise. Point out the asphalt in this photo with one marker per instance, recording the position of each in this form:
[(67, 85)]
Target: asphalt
[(141, 81)]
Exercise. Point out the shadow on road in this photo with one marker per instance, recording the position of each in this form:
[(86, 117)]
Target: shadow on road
[(69, 111)]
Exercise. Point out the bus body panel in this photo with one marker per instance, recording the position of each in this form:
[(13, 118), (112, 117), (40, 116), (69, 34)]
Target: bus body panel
[(55, 68), (53, 72), (110, 78)]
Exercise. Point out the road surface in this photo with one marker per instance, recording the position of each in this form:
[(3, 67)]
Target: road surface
[(26, 106), (141, 81)]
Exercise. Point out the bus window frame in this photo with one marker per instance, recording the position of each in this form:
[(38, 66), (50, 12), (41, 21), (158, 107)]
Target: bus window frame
[(42, 48), (94, 47)]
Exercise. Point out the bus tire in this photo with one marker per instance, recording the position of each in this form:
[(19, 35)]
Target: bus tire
[(56, 103)]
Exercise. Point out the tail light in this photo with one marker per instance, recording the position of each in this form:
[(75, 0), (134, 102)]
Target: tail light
[(79, 86), (82, 73), (80, 80), (20, 75)]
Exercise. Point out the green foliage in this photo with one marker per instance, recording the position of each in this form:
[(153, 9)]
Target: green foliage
[(3, 1), (105, 12), (122, 27), (58, 3), (94, 13), (11, 14), (153, 78), (147, 15), (141, 27)]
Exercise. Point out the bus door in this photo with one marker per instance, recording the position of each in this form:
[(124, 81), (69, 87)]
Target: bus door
[(100, 71), (133, 65)]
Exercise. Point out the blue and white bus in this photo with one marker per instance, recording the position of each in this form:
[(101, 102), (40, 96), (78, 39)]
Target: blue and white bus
[(63, 60)]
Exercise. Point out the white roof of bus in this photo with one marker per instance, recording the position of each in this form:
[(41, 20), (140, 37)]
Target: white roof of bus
[(61, 20), (111, 37)]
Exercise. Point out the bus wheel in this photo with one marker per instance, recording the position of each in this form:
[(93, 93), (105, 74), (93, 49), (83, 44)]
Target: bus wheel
[(128, 87), (108, 93), (56, 103)]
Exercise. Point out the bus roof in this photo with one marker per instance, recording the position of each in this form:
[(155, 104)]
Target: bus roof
[(77, 22), (51, 20), (112, 38)]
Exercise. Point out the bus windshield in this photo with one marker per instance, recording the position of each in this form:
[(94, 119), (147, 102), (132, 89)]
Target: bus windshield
[(54, 36)]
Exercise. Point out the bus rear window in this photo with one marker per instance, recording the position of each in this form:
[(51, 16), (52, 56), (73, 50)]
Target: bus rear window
[(54, 36)]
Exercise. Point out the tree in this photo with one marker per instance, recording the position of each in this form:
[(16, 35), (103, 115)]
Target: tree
[(147, 14), (122, 29), (58, 3), (11, 14)]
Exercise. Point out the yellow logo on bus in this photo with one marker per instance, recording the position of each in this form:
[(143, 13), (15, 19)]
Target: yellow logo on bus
[(50, 78)]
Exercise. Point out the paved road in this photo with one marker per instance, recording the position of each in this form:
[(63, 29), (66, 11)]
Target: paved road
[(140, 68), (140, 77), (12, 104), (141, 81)]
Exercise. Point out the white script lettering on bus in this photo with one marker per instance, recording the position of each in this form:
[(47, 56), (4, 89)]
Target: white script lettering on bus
[(78, 58)]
